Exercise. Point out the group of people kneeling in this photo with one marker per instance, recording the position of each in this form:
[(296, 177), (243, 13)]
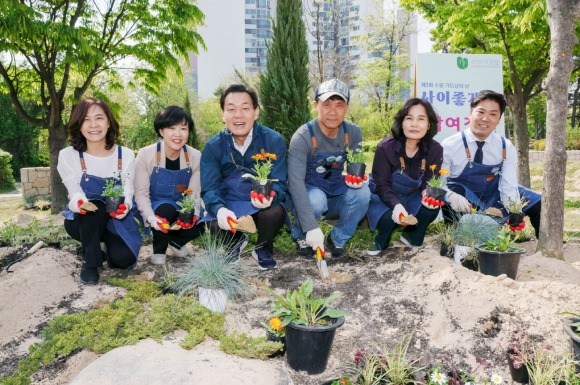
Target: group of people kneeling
[(307, 180)]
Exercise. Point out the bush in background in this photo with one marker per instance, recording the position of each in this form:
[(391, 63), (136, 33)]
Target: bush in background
[(6, 177)]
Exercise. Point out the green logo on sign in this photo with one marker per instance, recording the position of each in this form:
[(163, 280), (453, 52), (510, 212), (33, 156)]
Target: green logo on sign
[(462, 62)]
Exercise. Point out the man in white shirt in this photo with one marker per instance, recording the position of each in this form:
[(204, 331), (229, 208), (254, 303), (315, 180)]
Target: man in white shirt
[(483, 165)]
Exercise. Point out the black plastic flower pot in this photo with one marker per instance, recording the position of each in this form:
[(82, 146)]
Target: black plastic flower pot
[(112, 203), (274, 338), (262, 188), (496, 263), (520, 374), (187, 217), (357, 169), (515, 219), (574, 341), (308, 347), (435, 192)]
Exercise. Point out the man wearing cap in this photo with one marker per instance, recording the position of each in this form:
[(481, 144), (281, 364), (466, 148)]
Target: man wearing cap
[(316, 160)]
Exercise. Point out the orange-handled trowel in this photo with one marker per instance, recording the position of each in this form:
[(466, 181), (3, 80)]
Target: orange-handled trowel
[(321, 263)]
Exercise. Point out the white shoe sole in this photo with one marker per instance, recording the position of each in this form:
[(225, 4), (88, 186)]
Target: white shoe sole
[(372, 253), (255, 255)]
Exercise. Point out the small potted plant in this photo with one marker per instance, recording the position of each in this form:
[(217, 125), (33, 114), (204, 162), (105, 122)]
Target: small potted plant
[(29, 201), (211, 275), (469, 231), (515, 207), (186, 207), (436, 183), (572, 328), (499, 255), (275, 332), (355, 162), (113, 193), (518, 354), (261, 182), (310, 326), (547, 366)]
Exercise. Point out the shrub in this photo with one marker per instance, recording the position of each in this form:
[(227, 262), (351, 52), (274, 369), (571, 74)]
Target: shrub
[(6, 177)]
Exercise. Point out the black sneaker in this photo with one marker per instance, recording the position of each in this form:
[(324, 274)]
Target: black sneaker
[(303, 249), (89, 275), (336, 252), (264, 259)]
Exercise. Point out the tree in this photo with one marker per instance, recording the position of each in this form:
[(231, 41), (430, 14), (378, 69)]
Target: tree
[(516, 29), (52, 52), (380, 75), (563, 17), (284, 87)]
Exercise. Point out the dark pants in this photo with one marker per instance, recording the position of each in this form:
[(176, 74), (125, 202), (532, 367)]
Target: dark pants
[(415, 234), (533, 212), (268, 222), (90, 230), (175, 238)]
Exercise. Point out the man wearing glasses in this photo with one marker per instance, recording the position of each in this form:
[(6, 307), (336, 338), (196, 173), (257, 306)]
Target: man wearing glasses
[(228, 160), (316, 184)]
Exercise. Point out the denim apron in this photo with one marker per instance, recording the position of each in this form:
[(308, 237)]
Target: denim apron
[(481, 183), (237, 196), (126, 228), (324, 169), (408, 189), (167, 186)]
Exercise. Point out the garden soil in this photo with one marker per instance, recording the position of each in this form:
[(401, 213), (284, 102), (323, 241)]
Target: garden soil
[(448, 308)]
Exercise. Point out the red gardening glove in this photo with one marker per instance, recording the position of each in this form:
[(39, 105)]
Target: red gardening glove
[(186, 226), (431, 203), (79, 203), (354, 181), (519, 227), (121, 212)]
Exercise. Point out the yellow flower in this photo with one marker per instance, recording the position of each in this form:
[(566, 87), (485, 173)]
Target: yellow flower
[(259, 157), (270, 155), (433, 167), (444, 172), (275, 323)]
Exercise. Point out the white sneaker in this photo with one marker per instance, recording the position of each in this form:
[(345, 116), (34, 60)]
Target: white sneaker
[(158, 259), (181, 253)]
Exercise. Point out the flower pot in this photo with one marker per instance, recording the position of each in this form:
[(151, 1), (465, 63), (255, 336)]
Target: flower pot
[(187, 217), (112, 203), (574, 341), (214, 300), (496, 263), (272, 337), (520, 374), (262, 188), (460, 252), (357, 169), (515, 219), (436, 192), (308, 347), (445, 250)]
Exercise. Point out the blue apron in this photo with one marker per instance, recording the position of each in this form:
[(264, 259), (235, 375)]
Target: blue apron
[(238, 189), (126, 228), (483, 182), (409, 191), (324, 169), (167, 186)]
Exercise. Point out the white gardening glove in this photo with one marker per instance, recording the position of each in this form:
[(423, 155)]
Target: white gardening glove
[(76, 201), (315, 238), (157, 223), (458, 202), (226, 219), (397, 211), (264, 203)]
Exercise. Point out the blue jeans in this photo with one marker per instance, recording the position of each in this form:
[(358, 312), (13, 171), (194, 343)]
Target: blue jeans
[(349, 208)]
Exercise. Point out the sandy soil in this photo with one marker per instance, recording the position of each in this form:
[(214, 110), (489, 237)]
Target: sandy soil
[(448, 307)]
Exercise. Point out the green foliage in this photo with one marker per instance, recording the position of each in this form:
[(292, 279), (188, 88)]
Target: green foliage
[(15, 235), (474, 229), (208, 116), (187, 203), (246, 346), (284, 87), (6, 177), (355, 156), (504, 241), (211, 269), (302, 308), (548, 367), (112, 187)]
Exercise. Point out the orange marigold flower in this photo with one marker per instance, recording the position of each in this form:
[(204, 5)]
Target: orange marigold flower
[(433, 167), (444, 172), (188, 191), (271, 156), (275, 323), (258, 157)]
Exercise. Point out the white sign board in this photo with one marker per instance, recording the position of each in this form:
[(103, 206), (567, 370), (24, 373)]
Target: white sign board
[(451, 81)]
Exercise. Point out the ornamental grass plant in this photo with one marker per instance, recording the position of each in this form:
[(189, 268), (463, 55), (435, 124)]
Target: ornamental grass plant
[(210, 269)]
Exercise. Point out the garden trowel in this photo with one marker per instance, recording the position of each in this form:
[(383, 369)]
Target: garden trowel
[(321, 263)]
